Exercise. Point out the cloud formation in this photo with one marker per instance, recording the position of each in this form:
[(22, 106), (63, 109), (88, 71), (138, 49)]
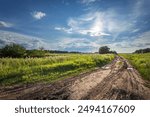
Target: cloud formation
[(77, 44), (124, 46), (91, 24), (120, 31), (38, 15), (5, 24), (29, 42), (87, 2), (121, 25), (99, 23)]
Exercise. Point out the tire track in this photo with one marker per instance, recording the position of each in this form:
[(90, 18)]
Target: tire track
[(125, 84), (115, 81)]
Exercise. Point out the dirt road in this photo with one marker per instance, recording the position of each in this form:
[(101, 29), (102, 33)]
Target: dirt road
[(117, 80)]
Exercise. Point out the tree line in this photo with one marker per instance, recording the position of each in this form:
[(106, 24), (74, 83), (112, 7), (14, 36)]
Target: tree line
[(17, 51), (146, 50)]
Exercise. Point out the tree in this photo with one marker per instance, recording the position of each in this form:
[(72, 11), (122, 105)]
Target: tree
[(41, 48), (0, 52), (13, 50), (104, 50), (146, 50), (112, 52)]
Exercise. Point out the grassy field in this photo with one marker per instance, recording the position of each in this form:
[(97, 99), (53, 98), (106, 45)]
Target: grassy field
[(141, 62), (48, 69)]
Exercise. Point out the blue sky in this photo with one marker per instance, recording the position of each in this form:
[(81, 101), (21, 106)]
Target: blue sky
[(76, 25)]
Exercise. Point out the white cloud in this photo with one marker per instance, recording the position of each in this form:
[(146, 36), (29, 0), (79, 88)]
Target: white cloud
[(88, 45), (135, 30), (7, 37), (5, 24), (143, 40), (87, 2), (63, 29), (110, 26), (38, 15), (77, 44), (80, 44), (128, 46), (91, 24), (71, 43), (110, 22), (100, 23)]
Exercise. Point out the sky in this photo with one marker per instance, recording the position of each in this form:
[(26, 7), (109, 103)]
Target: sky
[(76, 25)]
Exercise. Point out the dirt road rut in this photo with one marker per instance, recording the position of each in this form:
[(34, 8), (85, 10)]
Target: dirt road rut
[(117, 80)]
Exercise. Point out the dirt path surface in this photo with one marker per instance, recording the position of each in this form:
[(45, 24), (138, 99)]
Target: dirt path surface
[(117, 80)]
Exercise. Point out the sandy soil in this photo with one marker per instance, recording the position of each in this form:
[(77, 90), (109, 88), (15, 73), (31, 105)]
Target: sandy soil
[(117, 80)]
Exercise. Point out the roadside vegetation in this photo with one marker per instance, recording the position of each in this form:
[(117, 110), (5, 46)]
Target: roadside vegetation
[(141, 62), (54, 67)]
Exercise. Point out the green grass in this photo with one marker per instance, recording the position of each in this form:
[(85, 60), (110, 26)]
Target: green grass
[(141, 62), (48, 69)]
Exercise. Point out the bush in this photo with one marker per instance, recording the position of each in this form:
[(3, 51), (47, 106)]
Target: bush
[(35, 53), (13, 50)]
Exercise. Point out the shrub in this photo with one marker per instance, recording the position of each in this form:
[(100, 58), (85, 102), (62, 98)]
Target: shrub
[(13, 50), (35, 53)]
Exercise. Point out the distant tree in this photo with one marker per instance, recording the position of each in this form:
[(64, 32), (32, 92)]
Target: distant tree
[(41, 48), (0, 52), (104, 50), (146, 50), (57, 51), (13, 50), (35, 53), (113, 52)]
